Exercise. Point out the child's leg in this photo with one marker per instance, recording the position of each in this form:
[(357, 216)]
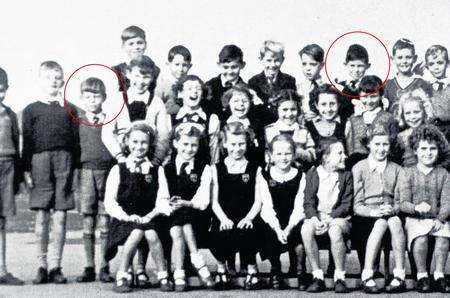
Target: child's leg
[(156, 249), (196, 258), (41, 231), (311, 248), (89, 239), (420, 249), (59, 238), (398, 245), (372, 248), (103, 225), (338, 250), (178, 247), (142, 256), (440, 256), (129, 249), (3, 270)]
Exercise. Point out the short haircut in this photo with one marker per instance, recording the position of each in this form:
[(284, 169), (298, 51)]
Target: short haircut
[(371, 84), (94, 85), (180, 85), (431, 134), (145, 65), (403, 43), (238, 88), (322, 89), (238, 129), (314, 51), (187, 129), (179, 50), (435, 51), (3, 78), (324, 148), (132, 32), (285, 95), (231, 53), (378, 128), (273, 47), (357, 52), (51, 65), (282, 138)]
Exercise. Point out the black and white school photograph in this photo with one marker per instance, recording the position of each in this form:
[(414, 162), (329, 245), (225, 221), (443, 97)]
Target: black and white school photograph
[(230, 148)]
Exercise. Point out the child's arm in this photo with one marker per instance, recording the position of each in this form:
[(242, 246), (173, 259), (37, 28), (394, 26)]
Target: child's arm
[(349, 136), (444, 210), (405, 193), (163, 195), (112, 186), (298, 212), (213, 132), (268, 214), (113, 133), (28, 144), (225, 222), (202, 196), (345, 207), (159, 119), (306, 150), (247, 221)]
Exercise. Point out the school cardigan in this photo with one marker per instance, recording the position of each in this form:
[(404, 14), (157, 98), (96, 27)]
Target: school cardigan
[(433, 188), (372, 188), (343, 205), (18, 166), (48, 127)]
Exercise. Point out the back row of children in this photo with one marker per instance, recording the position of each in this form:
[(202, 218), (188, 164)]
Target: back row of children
[(251, 157)]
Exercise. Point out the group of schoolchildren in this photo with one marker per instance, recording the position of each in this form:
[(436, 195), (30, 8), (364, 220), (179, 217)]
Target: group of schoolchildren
[(264, 168)]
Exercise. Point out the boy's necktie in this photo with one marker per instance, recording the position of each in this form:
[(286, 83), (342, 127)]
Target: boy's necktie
[(96, 119), (183, 167), (353, 84), (438, 85), (54, 103), (287, 132)]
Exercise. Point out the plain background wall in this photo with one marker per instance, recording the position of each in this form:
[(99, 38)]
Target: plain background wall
[(75, 33)]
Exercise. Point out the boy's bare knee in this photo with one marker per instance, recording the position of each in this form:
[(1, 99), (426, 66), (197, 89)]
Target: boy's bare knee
[(103, 224), (335, 234), (152, 237), (308, 229), (176, 233), (442, 243), (381, 225), (420, 242)]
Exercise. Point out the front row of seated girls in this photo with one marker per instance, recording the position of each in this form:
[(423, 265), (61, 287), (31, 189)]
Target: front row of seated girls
[(279, 208)]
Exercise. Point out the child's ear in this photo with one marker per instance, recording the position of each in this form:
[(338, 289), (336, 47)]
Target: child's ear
[(175, 143), (368, 65), (415, 59), (243, 64), (321, 65)]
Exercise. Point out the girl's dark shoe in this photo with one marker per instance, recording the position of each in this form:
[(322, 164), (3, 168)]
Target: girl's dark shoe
[(166, 285), (122, 286), (441, 285), (41, 276), (141, 280), (104, 275), (88, 275), (370, 289), (10, 280), (277, 282), (423, 285), (304, 280), (397, 289), (56, 276), (340, 286), (252, 282), (180, 285), (317, 286)]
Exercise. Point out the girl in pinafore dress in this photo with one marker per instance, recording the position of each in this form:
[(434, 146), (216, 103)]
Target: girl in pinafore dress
[(236, 208), (282, 209), (425, 198), (136, 199)]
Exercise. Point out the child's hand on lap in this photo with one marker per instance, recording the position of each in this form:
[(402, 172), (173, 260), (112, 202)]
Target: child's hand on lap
[(386, 209), (437, 225), (423, 208), (376, 213), (245, 223), (135, 218), (28, 180), (281, 235), (226, 224)]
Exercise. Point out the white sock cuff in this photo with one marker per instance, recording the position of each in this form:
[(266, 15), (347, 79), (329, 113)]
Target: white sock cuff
[(438, 275), (179, 274), (197, 260), (121, 274), (339, 275), (400, 273), (252, 269), (421, 275), (366, 274), (318, 274), (162, 275)]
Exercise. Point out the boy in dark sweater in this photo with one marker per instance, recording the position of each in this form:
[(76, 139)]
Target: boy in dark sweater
[(50, 150), (270, 81), (231, 62), (10, 173), (95, 162)]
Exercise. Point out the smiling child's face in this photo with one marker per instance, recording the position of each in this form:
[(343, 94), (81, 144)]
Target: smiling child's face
[(236, 146), (404, 60), (379, 147), (187, 146), (239, 104), (413, 114), (230, 70), (138, 144), (134, 47), (327, 106), (282, 155), (287, 112), (427, 153), (191, 94), (272, 63), (139, 81), (372, 101), (179, 67)]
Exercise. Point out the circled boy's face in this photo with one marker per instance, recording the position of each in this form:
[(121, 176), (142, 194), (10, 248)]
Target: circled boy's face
[(92, 101), (356, 69)]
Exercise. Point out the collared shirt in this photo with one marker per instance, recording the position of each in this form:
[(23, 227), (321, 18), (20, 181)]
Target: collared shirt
[(235, 166), (225, 83), (268, 214), (186, 111), (369, 116), (375, 165), (48, 100), (134, 96), (180, 161), (271, 80), (91, 117), (138, 165), (328, 191), (437, 84), (304, 88)]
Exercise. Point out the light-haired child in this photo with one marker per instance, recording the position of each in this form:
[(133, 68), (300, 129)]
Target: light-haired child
[(425, 199), (327, 205), (231, 62), (236, 208), (281, 194), (271, 80), (50, 152), (191, 91), (376, 208), (356, 63), (286, 103), (10, 175), (329, 124), (134, 44), (437, 64), (238, 102), (403, 57), (371, 92), (95, 162), (178, 64), (189, 182), (311, 57), (136, 196)]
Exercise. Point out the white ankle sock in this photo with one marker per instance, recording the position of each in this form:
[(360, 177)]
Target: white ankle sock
[(318, 274)]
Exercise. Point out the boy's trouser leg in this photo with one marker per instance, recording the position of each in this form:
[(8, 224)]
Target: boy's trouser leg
[(104, 230), (89, 239), (3, 270)]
